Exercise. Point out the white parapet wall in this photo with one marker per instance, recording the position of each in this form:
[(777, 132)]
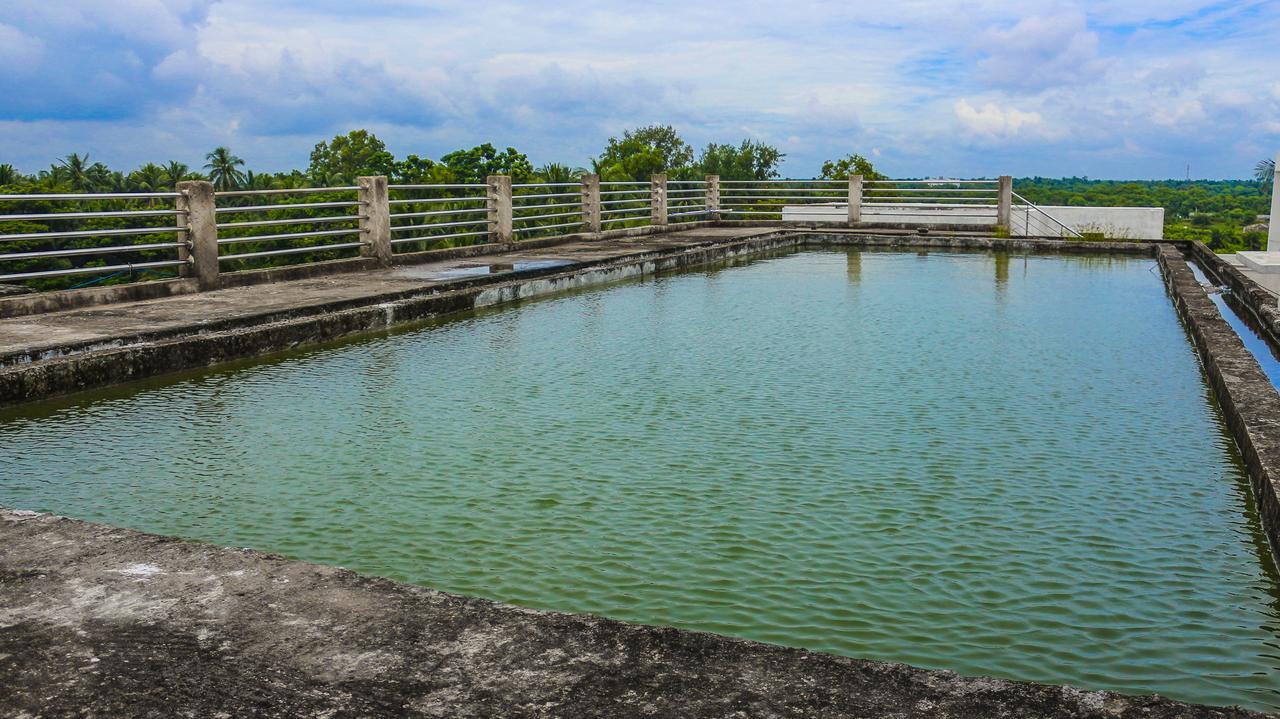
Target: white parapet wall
[(1120, 223), (1127, 223)]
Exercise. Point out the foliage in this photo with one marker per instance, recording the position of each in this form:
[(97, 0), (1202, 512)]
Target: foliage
[(851, 165), (344, 158), (1265, 172), (224, 169), (1215, 212), (474, 165), (750, 160), (641, 153)]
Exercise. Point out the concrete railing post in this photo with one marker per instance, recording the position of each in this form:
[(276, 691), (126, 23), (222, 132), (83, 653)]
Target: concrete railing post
[(658, 200), (1273, 231), (590, 203), (499, 206), (713, 197), (375, 228), (855, 199), (1004, 205), (196, 212)]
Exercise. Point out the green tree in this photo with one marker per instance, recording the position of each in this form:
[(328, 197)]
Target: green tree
[(224, 169), (644, 152), (420, 170), (346, 157), (9, 175), (175, 172), (748, 161), (556, 172), (1265, 172), (149, 178), (483, 160), (851, 165), (76, 170)]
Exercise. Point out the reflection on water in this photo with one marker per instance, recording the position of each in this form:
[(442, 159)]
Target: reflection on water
[(878, 454)]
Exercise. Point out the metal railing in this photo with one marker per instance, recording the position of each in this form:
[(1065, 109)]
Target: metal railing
[(249, 223), (44, 237), (426, 217), (764, 199), (541, 208), (1031, 220), (687, 201), (197, 232), (625, 204)]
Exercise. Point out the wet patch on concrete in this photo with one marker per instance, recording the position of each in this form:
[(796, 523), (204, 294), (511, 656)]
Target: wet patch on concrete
[(101, 621)]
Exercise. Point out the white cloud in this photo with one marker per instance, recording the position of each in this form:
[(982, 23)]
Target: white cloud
[(994, 122), (1041, 51)]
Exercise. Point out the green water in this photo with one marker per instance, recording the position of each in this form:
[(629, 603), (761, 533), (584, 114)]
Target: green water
[(995, 465)]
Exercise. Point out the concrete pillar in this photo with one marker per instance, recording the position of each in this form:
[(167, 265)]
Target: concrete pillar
[(713, 197), (499, 206), (590, 203), (1004, 206), (1273, 233), (375, 228), (196, 212), (658, 200), (855, 199)]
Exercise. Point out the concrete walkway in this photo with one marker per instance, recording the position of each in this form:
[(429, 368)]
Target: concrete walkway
[(53, 333), (102, 621)]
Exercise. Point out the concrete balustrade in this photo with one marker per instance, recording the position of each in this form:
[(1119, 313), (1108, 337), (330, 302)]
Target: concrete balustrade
[(500, 209), (855, 199), (195, 206), (712, 197), (375, 222), (658, 200), (591, 203)]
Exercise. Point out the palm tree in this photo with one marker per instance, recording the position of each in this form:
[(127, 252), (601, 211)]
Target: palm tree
[(175, 172), (223, 169), (75, 168), (1265, 172), (555, 172), (149, 178), (9, 175)]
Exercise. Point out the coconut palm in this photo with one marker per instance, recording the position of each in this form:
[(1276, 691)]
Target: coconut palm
[(223, 169), (149, 178), (555, 172), (9, 175), (78, 173), (175, 172), (1265, 172)]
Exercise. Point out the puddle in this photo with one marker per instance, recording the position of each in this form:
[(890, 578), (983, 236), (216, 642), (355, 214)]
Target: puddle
[(479, 270), (1242, 323)]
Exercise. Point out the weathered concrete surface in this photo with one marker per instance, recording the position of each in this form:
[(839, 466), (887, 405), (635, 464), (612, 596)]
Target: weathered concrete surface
[(1250, 404), (59, 352), (106, 622)]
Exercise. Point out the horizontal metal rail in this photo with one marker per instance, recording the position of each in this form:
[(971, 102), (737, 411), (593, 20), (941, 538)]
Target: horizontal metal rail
[(924, 200), (286, 236), (551, 216), (93, 196), (561, 205), (983, 190), (617, 184), (91, 233), (435, 200), (78, 251), (431, 225), (546, 195), (538, 228), (286, 206), (835, 190), (787, 198), (642, 194), (439, 187), (292, 251), (431, 213), (641, 201), (289, 191), (432, 238), (642, 213), (686, 182), (104, 269), (87, 215), (784, 182), (931, 182), (290, 221), (546, 184)]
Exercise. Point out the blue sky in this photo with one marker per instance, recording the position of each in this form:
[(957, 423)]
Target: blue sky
[(1125, 89)]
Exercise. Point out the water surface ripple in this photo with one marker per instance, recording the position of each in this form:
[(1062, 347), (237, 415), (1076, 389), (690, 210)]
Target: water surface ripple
[(991, 464)]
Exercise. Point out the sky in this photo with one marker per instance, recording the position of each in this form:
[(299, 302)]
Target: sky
[(1133, 89)]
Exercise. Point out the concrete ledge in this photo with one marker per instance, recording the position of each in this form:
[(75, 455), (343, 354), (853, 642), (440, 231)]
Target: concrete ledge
[(1249, 402), (1252, 296), (101, 621)]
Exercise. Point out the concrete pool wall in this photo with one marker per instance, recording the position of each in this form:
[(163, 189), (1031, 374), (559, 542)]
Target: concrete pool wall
[(163, 618)]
